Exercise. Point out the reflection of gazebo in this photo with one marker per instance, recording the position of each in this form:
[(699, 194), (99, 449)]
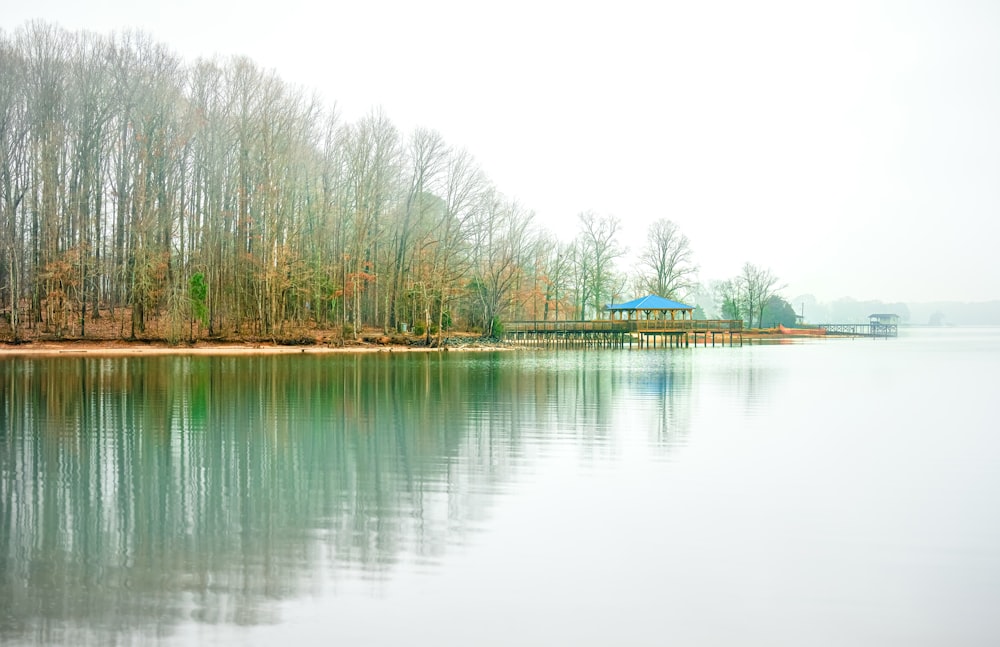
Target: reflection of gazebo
[(650, 307)]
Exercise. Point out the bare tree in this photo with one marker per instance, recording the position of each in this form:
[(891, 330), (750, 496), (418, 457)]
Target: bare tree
[(445, 251), (371, 165), (598, 249), (560, 273), (14, 177), (730, 298), (759, 285), (427, 157), (152, 198), (44, 51), (746, 296), (503, 245), (92, 105), (323, 225), (666, 261)]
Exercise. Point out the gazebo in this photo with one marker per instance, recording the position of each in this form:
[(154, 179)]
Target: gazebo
[(650, 307), (884, 319)]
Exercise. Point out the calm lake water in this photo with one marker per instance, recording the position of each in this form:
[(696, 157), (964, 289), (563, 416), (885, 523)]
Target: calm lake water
[(830, 492)]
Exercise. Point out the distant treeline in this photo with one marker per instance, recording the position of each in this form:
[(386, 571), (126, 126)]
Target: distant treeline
[(983, 313), (215, 199)]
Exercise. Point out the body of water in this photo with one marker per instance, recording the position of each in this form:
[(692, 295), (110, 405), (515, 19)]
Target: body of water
[(824, 492)]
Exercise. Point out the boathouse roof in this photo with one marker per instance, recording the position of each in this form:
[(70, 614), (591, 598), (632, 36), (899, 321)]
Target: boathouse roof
[(649, 302)]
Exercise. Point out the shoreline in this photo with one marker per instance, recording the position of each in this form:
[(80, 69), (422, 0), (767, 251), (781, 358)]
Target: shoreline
[(150, 348), (98, 348)]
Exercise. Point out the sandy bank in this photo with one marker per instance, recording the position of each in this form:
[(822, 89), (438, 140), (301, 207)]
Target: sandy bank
[(125, 348)]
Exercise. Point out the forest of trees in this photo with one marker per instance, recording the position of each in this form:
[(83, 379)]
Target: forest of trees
[(211, 199)]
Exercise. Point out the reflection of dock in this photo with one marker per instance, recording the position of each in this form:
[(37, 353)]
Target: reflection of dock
[(620, 333)]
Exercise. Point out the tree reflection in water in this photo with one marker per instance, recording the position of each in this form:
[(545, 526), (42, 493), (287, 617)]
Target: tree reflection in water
[(140, 493)]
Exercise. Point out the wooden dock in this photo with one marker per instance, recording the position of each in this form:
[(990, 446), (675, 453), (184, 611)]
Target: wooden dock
[(603, 333), (871, 329)]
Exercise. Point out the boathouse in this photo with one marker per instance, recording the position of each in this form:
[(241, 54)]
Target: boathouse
[(883, 325), (884, 319)]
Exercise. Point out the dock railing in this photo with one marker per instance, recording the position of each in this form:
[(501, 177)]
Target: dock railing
[(687, 325), (871, 329), (640, 326)]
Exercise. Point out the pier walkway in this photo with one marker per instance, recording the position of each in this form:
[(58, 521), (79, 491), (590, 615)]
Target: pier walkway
[(603, 333), (871, 329)]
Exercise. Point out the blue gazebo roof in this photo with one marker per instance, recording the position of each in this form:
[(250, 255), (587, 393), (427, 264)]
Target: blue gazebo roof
[(650, 302)]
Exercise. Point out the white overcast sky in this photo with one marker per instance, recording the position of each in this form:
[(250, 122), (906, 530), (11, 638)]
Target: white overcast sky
[(852, 147)]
